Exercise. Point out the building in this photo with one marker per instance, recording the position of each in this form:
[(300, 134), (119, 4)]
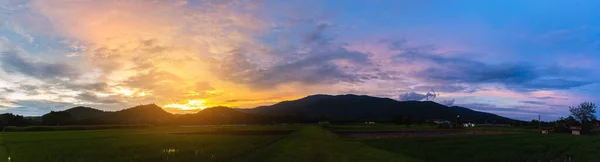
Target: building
[(575, 130), (546, 130), (469, 124)]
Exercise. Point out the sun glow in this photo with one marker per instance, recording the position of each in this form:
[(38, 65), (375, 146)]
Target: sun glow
[(124, 91), (190, 105), (129, 92)]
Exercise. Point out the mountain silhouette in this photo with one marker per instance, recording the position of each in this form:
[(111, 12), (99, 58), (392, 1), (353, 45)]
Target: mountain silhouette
[(221, 115), (147, 114), (83, 113), (310, 109), (142, 114), (367, 108)]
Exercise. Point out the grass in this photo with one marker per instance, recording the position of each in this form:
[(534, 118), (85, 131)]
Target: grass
[(3, 151), (522, 147), (378, 127), (315, 144), (151, 144), (65, 128), (308, 143)]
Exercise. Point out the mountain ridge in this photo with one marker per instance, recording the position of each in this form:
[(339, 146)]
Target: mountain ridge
[(312, 108)]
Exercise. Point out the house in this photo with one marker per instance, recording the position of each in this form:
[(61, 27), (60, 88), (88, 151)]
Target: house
[(546, 130), (575, 130), (469, 124)]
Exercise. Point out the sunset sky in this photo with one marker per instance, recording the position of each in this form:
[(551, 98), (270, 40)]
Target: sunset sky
[(513, 58)]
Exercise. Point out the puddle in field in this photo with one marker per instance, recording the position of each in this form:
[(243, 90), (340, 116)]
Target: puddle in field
[(170, 151)]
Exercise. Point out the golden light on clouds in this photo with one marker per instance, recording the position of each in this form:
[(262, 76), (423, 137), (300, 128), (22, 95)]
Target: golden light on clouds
[(157, 51), (180, 55)]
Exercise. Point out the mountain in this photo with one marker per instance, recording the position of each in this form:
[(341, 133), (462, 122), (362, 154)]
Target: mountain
[(82, 113), (477, 115), (310, 109), (367, 108), (142, 114), (222, 115)]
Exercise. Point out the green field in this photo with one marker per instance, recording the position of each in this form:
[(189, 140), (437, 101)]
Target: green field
[(522, 147), (296, 143), (155, 144), (315, 144)]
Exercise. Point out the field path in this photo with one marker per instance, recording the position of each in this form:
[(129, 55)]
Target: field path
[(315, 144)]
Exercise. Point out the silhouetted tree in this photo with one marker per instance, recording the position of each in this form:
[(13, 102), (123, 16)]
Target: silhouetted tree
[(584, 112), (9, 119)]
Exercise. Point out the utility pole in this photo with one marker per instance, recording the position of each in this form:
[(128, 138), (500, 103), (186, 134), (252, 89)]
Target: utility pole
[(539, 121)]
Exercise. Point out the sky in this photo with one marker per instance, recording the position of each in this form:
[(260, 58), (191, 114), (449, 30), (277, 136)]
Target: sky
[(518, 59)]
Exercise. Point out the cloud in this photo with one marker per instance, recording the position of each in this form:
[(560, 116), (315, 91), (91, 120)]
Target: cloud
[(203, 86), (414, 96), (318, 35), (325, 63), (533, 102), (15, 63), (140, 51), (448, 69), (19, 30), (522, 112), (449, 88), (91, 97), (447, 102), (99, 87), (35, 107)]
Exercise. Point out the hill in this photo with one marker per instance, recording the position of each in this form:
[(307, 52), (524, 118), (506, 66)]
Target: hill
[(82, 113), (310, 109), (222, 115), (367, 108), (142, 114)]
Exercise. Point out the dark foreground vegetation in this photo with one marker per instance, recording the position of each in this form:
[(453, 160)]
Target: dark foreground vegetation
[(294, 143)]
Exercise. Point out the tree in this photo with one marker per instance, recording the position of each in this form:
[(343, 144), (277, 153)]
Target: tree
[(8, 119), (584, 112)]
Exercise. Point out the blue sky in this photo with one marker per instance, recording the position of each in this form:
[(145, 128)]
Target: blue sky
[(514, 58)]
